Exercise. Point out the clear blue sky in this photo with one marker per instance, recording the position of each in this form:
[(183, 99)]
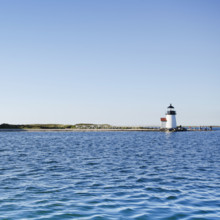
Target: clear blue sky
[(120, 62)]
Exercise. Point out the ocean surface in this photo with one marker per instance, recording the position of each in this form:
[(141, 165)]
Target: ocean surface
[(110, 175)]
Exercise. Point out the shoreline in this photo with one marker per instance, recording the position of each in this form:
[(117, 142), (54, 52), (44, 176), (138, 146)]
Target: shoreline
[(73, 130), (91, 130)]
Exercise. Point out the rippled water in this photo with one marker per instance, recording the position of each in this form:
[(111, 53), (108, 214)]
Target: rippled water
[(110, 175)]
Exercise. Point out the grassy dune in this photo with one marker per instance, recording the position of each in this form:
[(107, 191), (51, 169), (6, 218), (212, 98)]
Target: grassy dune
[(37, 126), (61, 126), (54, 126)]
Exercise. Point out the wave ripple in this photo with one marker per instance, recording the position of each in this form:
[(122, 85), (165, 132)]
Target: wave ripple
[(110, 175)]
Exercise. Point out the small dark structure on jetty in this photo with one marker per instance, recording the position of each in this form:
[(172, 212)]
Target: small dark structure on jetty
[(177, 129)]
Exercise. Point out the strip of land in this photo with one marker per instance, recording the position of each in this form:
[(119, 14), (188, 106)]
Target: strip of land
[(74, 130), (87, 128), (77, 127)]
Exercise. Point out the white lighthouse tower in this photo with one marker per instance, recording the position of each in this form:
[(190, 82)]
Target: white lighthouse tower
[(170, 117)]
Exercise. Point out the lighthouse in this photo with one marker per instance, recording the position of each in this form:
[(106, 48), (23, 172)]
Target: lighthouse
[(170, 117)]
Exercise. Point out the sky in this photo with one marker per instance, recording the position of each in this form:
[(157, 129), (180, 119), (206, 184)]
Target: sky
[(120, 62)]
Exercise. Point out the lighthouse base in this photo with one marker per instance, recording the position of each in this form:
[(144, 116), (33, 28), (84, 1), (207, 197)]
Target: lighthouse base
[(171, 121)]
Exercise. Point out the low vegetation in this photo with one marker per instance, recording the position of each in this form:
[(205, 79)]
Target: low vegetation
[(36, 126), (60, 126)]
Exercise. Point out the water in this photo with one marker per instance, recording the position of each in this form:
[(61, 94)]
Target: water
[(109, 175)]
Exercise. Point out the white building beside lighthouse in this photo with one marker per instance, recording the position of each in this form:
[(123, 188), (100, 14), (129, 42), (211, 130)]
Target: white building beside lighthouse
[(170, 117)]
